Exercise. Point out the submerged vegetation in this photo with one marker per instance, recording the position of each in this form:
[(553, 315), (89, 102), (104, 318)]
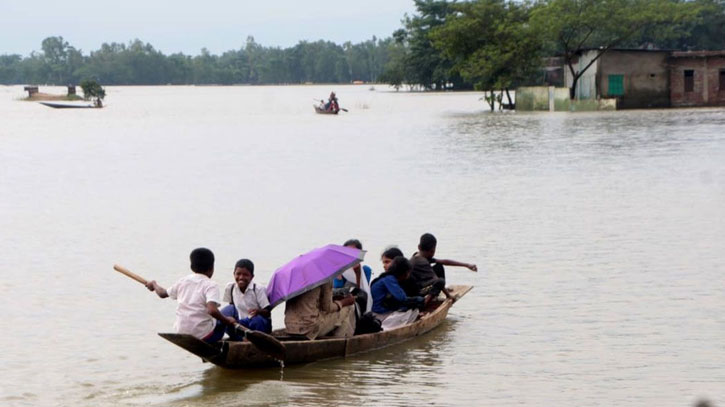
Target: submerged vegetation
[(92, 90), (480, 44)]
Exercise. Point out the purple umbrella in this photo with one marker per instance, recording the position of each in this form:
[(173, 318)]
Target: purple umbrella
[(311, 270)]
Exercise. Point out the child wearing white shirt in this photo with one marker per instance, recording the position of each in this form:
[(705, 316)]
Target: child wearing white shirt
[(198, 297), (248, 303)]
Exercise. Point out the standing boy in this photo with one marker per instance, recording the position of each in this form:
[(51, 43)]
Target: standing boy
[(248, 303), (198, 297)]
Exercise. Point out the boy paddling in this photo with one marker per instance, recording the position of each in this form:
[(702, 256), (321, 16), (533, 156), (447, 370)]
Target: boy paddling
[(198, 295)]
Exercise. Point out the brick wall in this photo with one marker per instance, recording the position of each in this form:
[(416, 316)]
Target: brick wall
[(706, 90), (646, 80)]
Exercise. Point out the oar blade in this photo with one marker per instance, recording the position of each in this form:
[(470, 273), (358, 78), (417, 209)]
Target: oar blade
[(267, 344), (194, 345)]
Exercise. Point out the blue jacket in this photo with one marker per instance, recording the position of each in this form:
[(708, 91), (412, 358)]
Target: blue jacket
[(388, 296)]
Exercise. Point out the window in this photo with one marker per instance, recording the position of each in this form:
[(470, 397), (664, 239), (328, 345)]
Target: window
[(722, 80), (616, 85), (689, 80)]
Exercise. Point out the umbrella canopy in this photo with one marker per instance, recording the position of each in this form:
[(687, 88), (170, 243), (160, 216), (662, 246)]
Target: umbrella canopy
[(311, 270)]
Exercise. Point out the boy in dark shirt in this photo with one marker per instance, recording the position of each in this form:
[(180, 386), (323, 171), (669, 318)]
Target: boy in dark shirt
[(431, 280)]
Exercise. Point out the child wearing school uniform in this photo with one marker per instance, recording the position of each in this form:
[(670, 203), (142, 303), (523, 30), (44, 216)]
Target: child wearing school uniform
[(248, 302), (198, 295), (391, 305)]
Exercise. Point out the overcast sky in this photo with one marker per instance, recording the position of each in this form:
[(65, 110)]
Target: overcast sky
[(189, 25)]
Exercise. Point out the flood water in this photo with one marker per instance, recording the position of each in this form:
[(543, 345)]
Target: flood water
[(599, 238)]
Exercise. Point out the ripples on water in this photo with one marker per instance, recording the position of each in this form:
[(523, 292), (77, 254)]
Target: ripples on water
[(599, 237)]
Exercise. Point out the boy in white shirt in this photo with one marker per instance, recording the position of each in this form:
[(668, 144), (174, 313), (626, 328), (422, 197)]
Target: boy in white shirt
[(248, 303), (198, 297)]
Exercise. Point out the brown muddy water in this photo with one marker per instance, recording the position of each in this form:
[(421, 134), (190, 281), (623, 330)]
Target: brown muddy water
[(600, 240)]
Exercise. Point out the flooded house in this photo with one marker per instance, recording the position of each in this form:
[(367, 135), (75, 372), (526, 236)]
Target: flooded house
[(697, 78), (636, 78)]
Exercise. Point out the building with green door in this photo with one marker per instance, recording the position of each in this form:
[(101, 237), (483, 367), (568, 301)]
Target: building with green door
[(636, 78)]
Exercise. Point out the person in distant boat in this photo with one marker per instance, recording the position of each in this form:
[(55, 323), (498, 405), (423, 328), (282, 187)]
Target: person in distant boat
[(315, 313), (332, 103), (198, 297), (428, 272), (391, 305), (248, 303), (356, 281)]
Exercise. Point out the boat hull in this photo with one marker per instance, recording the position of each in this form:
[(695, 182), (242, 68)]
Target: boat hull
[(318, 110), (240, 355), (67, 105)]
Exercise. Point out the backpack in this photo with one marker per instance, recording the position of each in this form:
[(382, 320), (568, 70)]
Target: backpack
[(368, 324)]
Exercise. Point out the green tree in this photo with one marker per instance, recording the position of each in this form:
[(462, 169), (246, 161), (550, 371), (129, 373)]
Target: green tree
[(93, 90), (10, 69), (59, 57), (422, 63), (138, 63), (491, 44), (703, 30)]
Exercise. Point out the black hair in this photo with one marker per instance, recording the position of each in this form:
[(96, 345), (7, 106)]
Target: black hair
[(353, 242), (392, 253), (245, 264), (400, 266), (427, 242), (202, 260)]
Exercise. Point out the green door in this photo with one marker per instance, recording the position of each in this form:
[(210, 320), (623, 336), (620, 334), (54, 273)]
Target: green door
[(616, 85)]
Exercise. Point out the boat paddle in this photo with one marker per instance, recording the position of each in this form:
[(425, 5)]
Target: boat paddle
[(264, 342)]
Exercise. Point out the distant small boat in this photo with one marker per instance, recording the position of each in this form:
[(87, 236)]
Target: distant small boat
[(323, 111), (70, 105)]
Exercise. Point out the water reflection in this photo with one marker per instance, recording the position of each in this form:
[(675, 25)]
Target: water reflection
[(556, 133), (384, 376)]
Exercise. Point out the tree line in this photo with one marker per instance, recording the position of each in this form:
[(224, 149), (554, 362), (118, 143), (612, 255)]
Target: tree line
[(139, 63), (478, 44)]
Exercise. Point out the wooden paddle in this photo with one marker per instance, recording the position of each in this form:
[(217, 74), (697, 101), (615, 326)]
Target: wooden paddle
[(264, 342)]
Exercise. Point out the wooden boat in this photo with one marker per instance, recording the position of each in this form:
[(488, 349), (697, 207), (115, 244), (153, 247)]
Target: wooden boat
[(70, 105), (320, 110), (238, 355)]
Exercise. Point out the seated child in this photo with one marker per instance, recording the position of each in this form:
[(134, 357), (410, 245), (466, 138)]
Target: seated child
[(198, 297), (390, 303), (431, 280), (248, 303), (356, 278), (389, 255)]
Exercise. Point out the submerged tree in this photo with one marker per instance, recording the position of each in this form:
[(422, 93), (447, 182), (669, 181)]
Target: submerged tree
[(93, 90), (491, 44)]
